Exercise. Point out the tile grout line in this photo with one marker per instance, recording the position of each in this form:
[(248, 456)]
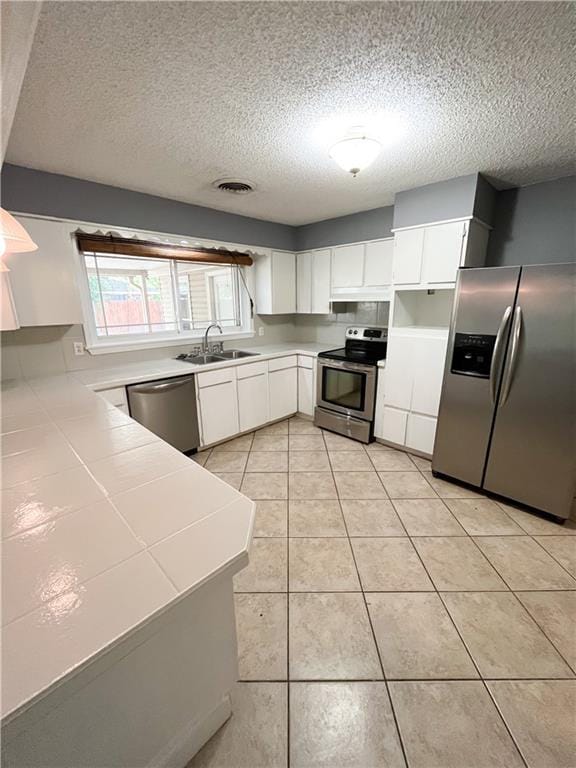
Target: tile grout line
[(481, 678), (377, 649), (468, 651), (506, 590)]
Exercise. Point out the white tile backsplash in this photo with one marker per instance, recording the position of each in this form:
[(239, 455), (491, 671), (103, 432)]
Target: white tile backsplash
[(44, 350)]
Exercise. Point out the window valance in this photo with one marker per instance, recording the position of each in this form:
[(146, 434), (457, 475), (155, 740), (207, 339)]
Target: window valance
[(124, 246)]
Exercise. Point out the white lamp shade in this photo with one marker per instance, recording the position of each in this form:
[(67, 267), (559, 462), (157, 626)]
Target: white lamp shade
[(8, 316), (355, 153), (13, 236)]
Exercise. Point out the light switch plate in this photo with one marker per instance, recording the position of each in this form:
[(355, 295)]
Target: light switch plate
[(78, 348), (260, 331)]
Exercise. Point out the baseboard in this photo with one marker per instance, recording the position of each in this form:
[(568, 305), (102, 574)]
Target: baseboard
[(187, 742)]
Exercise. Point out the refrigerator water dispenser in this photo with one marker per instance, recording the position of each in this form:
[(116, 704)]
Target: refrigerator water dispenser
[(472, 355)]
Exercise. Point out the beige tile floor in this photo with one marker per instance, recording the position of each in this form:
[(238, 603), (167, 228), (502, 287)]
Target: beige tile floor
[(389, 618)]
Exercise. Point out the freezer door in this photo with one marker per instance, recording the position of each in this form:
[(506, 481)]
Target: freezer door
[(533, 452), (476, 346)]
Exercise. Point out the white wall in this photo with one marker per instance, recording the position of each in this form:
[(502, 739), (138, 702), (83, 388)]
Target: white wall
[(49, 349)]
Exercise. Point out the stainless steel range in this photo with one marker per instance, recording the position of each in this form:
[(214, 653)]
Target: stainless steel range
[(346, 383)]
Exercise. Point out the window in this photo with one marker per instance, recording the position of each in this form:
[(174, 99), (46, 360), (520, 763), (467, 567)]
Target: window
[(136, 299)]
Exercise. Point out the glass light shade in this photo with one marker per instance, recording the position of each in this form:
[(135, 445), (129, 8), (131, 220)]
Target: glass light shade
[(8, 316), (13, 236), (355, 153)]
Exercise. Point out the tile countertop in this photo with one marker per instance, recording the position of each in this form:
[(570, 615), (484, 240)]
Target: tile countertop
[(104, 527), (120, 376)]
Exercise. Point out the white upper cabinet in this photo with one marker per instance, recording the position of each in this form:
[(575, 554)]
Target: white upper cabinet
[(44, 281), (442, 252), (321, 282), (431, 255), (408, 246), (313, 282), (362, 272), (276, 283), (348, 266), (304, 282), (378, 263)]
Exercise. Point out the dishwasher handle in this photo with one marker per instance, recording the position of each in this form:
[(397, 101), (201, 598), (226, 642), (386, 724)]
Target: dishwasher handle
[(159, 388)]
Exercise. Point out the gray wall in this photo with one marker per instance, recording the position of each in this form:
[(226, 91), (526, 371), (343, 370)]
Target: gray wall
[(535, 224), (366, 225), (50, 194), (456, 198), (532, 225)]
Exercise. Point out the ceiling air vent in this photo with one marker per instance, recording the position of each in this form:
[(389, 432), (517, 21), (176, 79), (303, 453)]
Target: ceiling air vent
[(234, 186)]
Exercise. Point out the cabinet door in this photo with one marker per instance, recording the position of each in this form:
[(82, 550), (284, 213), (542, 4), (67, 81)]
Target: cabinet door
[(283, 391), (320, 280), (306, 396), (253, 402), (378, 263), (399, 372), (420, 432), (379, 408), (394, 425), (44, 282), (407, 263), (218, 412), (283, 283), (348, 266), (442, 252), (304, 282), (429, 357)]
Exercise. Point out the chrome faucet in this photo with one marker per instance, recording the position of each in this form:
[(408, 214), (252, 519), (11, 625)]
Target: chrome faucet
[(205, 342)]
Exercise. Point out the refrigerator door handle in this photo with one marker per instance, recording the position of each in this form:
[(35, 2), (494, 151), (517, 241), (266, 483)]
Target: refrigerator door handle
[(509, 373), (495, 365)]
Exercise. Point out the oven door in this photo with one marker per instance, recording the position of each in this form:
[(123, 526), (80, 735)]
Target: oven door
[(347, 388)]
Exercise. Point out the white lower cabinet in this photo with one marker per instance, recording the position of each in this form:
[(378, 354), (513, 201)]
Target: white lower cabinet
[(253, 401), (218, 406), (428, 373), (283, 392), (393, 425), (407, 404), (306, 395), (420, 432)]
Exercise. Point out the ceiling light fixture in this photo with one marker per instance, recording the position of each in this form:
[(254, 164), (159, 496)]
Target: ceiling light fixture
[(13, 236), (355, 151), (13, 239)]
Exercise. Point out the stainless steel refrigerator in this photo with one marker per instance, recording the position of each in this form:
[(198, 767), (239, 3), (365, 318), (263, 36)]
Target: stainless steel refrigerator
[(507, 419)]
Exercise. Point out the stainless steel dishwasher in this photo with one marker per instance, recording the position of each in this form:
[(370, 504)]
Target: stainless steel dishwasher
[(167, 408)]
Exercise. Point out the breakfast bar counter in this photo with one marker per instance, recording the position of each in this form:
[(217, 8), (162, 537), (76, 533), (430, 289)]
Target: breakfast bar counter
[(118, 558)]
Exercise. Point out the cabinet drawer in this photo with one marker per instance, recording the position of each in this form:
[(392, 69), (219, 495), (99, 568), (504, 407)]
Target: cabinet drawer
[(116, 396), (279, 363), (209, 378), (305, 362), (251, 369)]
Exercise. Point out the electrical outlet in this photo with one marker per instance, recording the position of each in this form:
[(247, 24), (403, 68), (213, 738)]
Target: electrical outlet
[(78, 348), (260, 331)]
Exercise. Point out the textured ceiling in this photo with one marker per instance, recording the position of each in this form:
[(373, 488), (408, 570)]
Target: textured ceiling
[(165, 97)]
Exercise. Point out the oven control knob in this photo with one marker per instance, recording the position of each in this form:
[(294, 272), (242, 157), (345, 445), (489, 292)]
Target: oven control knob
[(355, 332)]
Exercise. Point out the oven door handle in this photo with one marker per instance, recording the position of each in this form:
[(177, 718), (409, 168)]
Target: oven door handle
[(346, 366)]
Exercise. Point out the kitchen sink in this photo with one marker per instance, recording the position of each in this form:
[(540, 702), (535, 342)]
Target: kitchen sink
[(234, 354), (204, 359)]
